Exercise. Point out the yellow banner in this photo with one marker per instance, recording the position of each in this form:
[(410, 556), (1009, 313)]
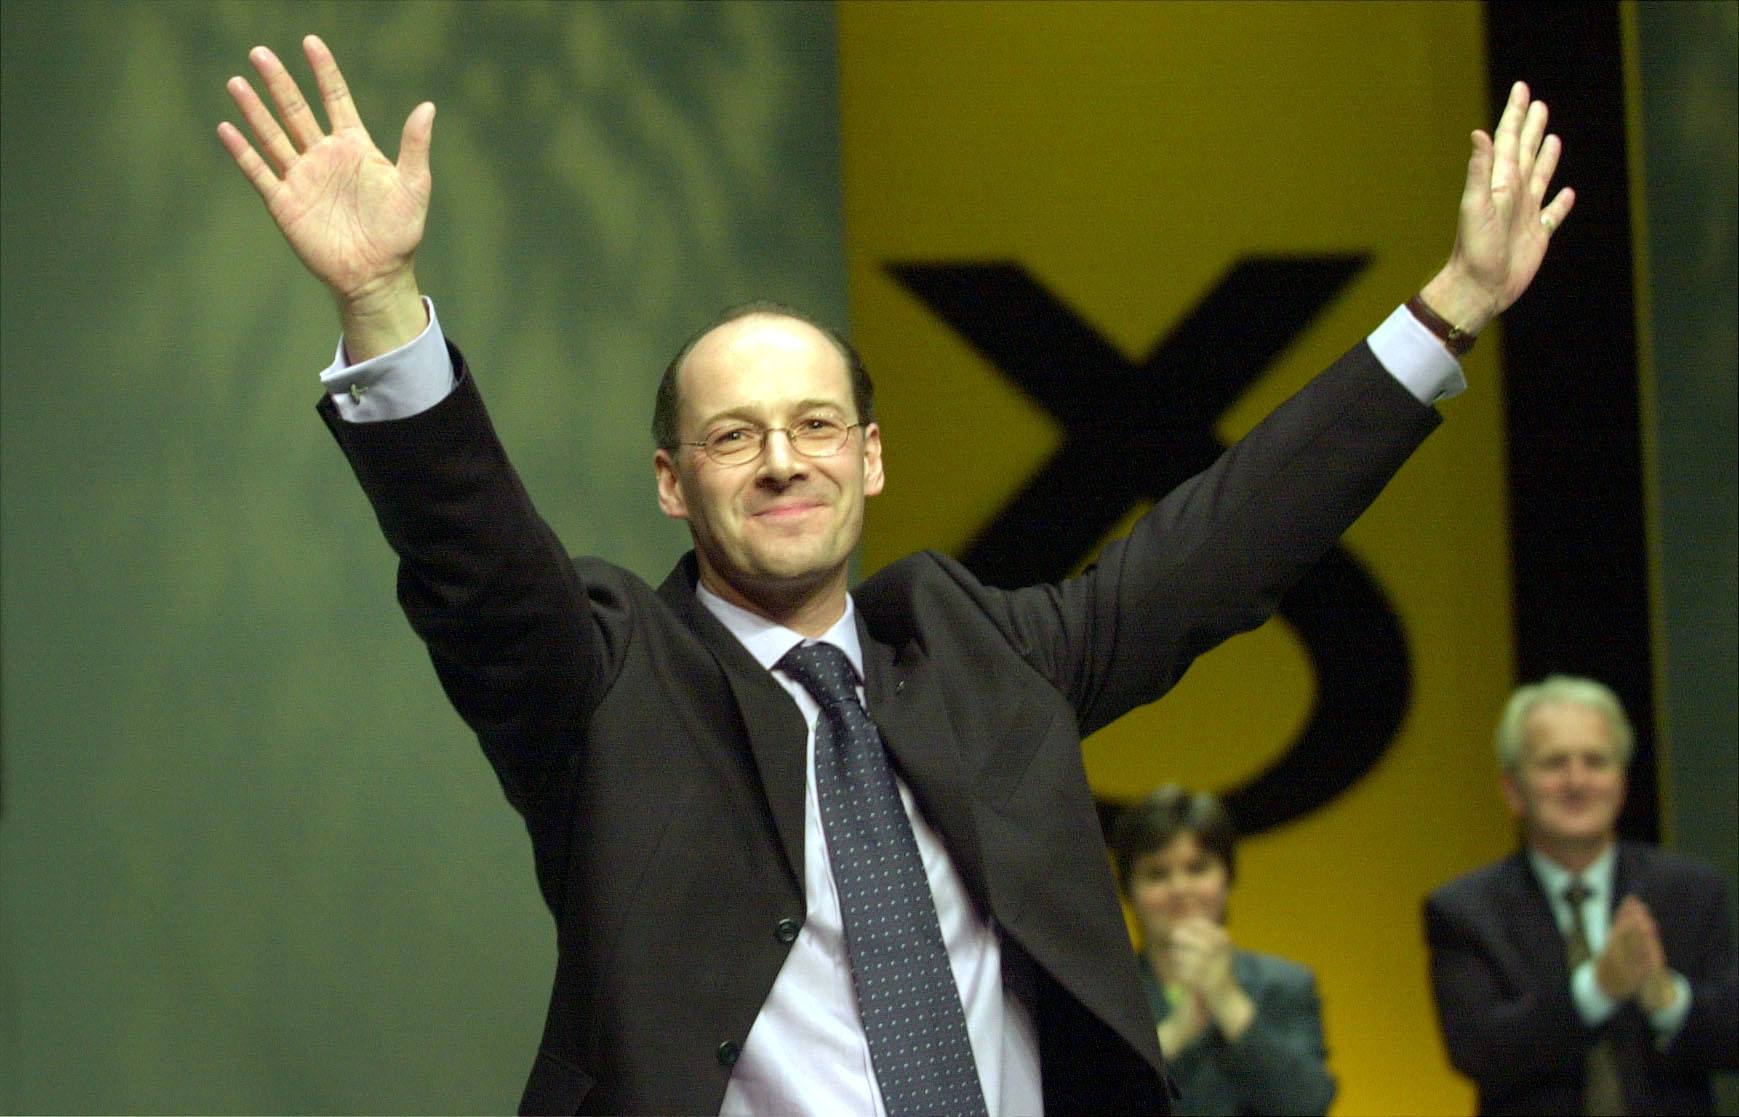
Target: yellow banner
[(1127, 180)]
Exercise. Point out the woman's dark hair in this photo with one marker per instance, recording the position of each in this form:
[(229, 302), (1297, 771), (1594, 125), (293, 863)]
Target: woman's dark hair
[(1156, 821)]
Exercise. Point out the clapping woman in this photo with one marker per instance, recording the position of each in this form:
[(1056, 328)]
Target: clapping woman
[(1241, 1031)]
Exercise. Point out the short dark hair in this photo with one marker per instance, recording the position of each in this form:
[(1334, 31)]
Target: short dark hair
[(1159, 819), (669, 399)]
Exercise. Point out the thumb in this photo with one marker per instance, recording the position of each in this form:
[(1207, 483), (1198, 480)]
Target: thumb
[(413, 161), (1478, 167)]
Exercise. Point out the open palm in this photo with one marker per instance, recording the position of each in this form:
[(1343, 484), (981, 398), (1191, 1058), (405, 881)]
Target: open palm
[(353, 217), (1505, 223)]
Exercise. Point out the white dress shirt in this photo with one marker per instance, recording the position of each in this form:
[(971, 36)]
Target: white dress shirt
[(807, 1052)]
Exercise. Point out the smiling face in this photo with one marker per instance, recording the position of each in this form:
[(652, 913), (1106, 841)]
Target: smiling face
[(1569, 785), (774, 534), (1179, 881)]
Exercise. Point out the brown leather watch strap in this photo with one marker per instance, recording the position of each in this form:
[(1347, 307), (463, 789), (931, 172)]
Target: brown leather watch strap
[(1454, 338)]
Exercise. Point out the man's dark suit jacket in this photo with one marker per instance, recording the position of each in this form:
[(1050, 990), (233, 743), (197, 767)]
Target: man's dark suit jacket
[(659, 768), (1502, 983)]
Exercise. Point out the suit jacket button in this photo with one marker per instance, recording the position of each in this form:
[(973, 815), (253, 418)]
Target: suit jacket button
[(728, 1052), (786, 931)]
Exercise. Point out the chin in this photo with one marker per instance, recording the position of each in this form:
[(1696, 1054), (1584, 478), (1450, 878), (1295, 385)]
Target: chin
[(795, 566), (1588, 833)]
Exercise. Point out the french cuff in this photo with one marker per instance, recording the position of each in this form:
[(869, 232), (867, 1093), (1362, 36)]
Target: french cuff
[(396, 385), (1414, 356), (1592, 1005), (1667, 1022)]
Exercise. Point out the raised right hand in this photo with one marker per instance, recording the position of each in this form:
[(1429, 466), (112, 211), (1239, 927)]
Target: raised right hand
[(353, 218)]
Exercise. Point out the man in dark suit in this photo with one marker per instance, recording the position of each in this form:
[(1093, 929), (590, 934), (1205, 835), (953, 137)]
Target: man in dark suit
[(1582, 974), (810, 850)]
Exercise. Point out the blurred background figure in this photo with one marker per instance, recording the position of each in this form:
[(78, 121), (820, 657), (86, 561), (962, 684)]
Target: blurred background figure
[(1582, 974), (1241, 1031)]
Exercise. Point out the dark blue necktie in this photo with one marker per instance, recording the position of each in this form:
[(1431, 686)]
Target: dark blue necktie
[(906, 994)]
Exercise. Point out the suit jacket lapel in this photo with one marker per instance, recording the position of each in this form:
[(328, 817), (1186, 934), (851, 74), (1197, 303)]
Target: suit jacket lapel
[(1625, 874), (913, 722), (772, 722), (1536, 927)]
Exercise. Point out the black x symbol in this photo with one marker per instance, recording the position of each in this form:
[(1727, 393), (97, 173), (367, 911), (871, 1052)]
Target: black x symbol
[(1132, 432)]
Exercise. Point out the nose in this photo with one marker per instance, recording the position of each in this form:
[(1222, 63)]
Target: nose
[(1579, 777), (780, 461)]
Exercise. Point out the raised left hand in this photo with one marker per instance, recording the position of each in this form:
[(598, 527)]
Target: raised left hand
[(1505, 224)]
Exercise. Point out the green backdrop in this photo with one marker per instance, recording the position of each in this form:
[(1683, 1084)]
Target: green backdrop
[(250, 861)]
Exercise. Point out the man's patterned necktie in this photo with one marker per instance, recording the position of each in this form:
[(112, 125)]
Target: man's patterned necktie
[(906, 993), (1602, 1092)]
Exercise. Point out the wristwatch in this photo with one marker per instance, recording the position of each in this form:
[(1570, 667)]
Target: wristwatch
[(1454, 338)]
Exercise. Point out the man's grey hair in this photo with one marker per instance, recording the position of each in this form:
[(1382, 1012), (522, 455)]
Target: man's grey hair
[(1559, 690)]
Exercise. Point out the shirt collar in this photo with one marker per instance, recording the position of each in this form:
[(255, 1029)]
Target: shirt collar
[(1555, 878), (768, 641)]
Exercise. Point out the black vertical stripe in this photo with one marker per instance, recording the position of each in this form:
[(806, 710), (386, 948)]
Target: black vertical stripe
[(1572, 387)]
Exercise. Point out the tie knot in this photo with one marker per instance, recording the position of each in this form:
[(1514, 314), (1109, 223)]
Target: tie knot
[(1577, 893), (823, 670)]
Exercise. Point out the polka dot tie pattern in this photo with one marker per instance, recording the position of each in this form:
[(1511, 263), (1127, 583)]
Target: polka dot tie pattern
[(906, 994)]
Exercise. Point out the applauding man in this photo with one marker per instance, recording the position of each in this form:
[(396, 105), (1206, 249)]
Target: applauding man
[(1582, 974)]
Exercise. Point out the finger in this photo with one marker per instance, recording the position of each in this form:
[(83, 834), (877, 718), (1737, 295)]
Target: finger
[(1508, 131), (1552, 217), (1533, 131), (1507, 138), (1478, 167), (299, 119), (414, 144), (1193, 936), (252, 166), (1545, 166), (261, 123), (334, 92)]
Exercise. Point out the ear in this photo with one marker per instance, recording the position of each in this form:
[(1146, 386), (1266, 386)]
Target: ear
[(670, 498), (872, 460), (1513, 794)]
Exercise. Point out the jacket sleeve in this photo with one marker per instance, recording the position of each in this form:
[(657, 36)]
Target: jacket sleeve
[(1709, 1037), (1280, 1064), (1503, 1026), (524, 647), (1214, 557)]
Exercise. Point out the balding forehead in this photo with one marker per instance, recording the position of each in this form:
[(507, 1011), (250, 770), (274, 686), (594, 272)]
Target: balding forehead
[(762, 328), (735, 355)]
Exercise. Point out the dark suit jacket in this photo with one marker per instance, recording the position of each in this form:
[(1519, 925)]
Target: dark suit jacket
[(1502, 984), (1279, 1064), (659, 769)]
